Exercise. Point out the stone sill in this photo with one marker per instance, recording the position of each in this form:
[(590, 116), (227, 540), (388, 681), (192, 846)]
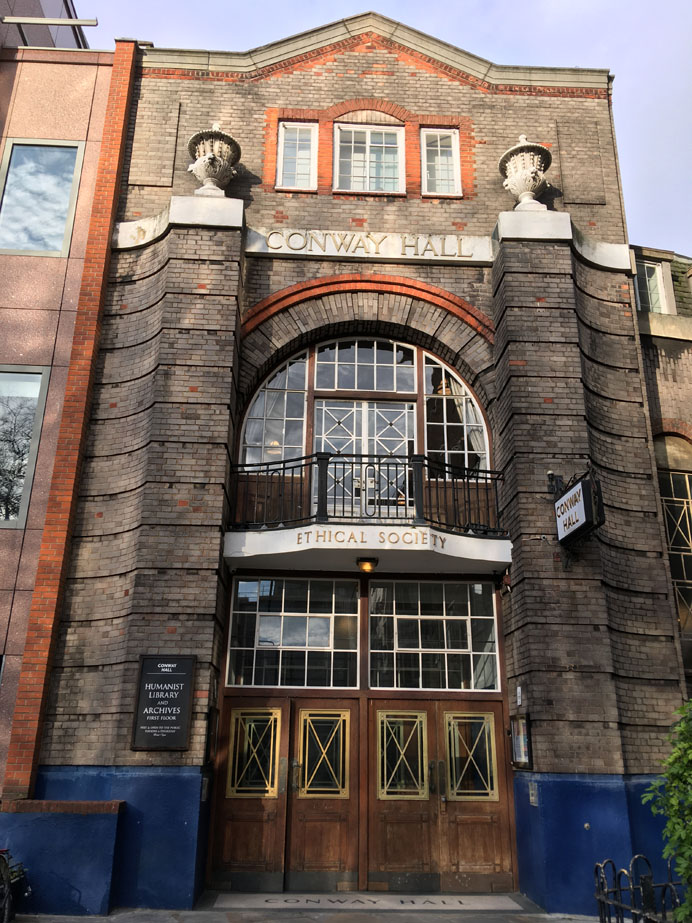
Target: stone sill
[(665, 326)]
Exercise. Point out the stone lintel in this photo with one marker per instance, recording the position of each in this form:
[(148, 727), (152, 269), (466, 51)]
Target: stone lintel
[(186, 211), (558, 226)]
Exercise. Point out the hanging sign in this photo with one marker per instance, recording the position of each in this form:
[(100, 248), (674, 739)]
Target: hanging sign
[(164, 703), (579, 510)]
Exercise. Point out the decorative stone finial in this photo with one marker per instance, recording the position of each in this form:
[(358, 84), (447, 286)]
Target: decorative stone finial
[(523, 167), (215, 154)]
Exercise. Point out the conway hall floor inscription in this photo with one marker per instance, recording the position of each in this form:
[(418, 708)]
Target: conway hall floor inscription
[(366, 901)]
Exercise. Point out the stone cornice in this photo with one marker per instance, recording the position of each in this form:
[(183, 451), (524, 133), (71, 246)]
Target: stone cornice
[(481, 72)]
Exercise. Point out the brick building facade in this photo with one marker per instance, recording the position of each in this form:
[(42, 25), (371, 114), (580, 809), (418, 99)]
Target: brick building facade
[(313, 434)]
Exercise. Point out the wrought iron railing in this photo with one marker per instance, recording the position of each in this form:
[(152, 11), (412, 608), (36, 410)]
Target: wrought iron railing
[(365, 488), (632, 894)]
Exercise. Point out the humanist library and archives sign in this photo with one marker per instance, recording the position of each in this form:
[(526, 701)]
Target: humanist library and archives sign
[(374, 245), (164, 702)]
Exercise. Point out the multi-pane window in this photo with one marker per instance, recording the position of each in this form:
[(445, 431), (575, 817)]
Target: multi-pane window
[(454, 429), (440, 162), (275, 427), (297, 156), (39, 193), (294, 633), (368, 159), (22, 396), (650, 291), (432, 636), (676, 494), (365, 365), (381, 419)]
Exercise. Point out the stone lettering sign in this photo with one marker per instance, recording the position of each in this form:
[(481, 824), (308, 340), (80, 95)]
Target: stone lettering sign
[(374, 245), (164, 703)]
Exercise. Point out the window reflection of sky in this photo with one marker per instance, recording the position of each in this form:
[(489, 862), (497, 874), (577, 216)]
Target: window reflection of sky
[(36, 198), (20, 384)]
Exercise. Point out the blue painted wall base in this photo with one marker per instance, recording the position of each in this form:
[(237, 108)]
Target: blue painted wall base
[(156, 855), (576, 821), (69, 859)]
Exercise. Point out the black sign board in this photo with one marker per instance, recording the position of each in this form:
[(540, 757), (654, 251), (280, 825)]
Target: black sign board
[(164, 703)]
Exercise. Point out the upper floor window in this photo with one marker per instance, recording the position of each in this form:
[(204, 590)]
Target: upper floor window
[(22, 398), (650, 288), (39, 183), (365, 397), (369, 158), (297, 156), (674, 462), (440, 169)]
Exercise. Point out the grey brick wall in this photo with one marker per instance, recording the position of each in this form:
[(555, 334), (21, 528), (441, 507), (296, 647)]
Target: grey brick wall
[(593, 645)]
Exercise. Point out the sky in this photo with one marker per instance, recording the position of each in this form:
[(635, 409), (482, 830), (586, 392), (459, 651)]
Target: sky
[(646, 45)]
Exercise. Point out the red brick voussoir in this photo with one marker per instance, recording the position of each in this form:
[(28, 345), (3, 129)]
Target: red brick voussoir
[(25, 741), (363, 282)]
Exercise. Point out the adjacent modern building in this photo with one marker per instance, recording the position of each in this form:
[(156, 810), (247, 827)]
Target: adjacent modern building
[(347, 458)]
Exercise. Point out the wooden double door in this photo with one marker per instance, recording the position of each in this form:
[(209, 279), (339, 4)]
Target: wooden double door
[(341, 794)]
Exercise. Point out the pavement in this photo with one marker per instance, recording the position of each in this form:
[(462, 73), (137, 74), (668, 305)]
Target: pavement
[(354, 907)]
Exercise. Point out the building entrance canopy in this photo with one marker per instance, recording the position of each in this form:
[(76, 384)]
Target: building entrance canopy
[(398, 549)]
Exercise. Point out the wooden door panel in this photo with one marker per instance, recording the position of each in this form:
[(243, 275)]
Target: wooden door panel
[(402, 817), (474, 830), (321, 842), (250, 796), (322, 848), (475, 843), (405, 841), (248, 844)]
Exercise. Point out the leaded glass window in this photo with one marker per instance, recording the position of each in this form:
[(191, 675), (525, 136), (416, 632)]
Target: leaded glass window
[(323, 748), (471, 763), (454, 428), (395, 379), (676, 494), (402, 755), (275, 426), (254, 749)]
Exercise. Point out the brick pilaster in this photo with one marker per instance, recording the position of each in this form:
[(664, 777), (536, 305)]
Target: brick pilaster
[(43, 619)]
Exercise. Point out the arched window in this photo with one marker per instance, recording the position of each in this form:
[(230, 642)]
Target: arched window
[(371, 397), (674, 462)]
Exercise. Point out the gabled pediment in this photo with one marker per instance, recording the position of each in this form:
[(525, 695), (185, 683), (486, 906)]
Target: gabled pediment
[(371, 31)]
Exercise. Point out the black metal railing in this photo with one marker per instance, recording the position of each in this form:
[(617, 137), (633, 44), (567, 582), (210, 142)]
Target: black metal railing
[(632, 894), (366, 488)]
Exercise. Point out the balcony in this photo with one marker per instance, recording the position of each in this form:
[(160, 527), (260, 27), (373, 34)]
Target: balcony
[(323, 512), (396, 490)]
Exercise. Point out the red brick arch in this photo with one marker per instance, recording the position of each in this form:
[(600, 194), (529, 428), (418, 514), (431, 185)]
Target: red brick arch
[(370, 103), (362, 282), (671, 426)]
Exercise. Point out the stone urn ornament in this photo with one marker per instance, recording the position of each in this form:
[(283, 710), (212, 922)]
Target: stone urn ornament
[(215, 155), (523, 167)]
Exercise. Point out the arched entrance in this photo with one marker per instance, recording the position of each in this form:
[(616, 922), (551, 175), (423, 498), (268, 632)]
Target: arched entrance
[(362, 735)]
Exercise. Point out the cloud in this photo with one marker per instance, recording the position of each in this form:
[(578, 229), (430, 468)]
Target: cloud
[(36, 197)]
